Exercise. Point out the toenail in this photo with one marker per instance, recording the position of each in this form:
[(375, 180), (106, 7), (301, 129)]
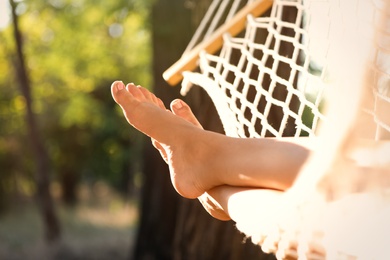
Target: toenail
[(178, 104), (120, 85)]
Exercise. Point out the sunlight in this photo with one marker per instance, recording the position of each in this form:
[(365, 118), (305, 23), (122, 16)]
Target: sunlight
[(5, 16)]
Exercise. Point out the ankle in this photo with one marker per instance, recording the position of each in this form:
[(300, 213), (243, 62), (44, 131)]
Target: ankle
[(210, 151)]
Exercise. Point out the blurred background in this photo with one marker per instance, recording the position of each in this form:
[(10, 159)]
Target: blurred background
[(76, 182)]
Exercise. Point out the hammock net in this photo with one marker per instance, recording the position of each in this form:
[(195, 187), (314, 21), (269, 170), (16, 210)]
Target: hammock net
[(270, 79)]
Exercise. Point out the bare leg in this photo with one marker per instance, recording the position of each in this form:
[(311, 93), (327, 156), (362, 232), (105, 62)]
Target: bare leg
[(200, 160)]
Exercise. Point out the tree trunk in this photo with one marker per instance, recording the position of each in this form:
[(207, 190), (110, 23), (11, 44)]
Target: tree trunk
[(51, 223), (159, 201), (68, 181)]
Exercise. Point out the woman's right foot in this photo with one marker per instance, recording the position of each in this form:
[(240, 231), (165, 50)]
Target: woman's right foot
[(180, 140)]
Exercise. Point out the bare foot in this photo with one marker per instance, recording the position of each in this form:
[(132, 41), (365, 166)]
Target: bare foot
[(181, 109), (212, 206), (143, 110), (179, 140)]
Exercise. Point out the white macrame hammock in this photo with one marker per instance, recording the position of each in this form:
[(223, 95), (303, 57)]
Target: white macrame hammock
[(314, 65)]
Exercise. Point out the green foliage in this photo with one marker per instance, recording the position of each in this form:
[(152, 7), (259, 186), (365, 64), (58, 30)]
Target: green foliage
[(74, 50)]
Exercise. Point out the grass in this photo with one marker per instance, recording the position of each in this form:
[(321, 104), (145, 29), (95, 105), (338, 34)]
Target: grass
[(101, 226)]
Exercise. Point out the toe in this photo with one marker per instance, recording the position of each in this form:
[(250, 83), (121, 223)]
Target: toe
[(117, 91), (146, 93), (135, 91), (150, 97), (180, 108), (160, 103), (124, 98)]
